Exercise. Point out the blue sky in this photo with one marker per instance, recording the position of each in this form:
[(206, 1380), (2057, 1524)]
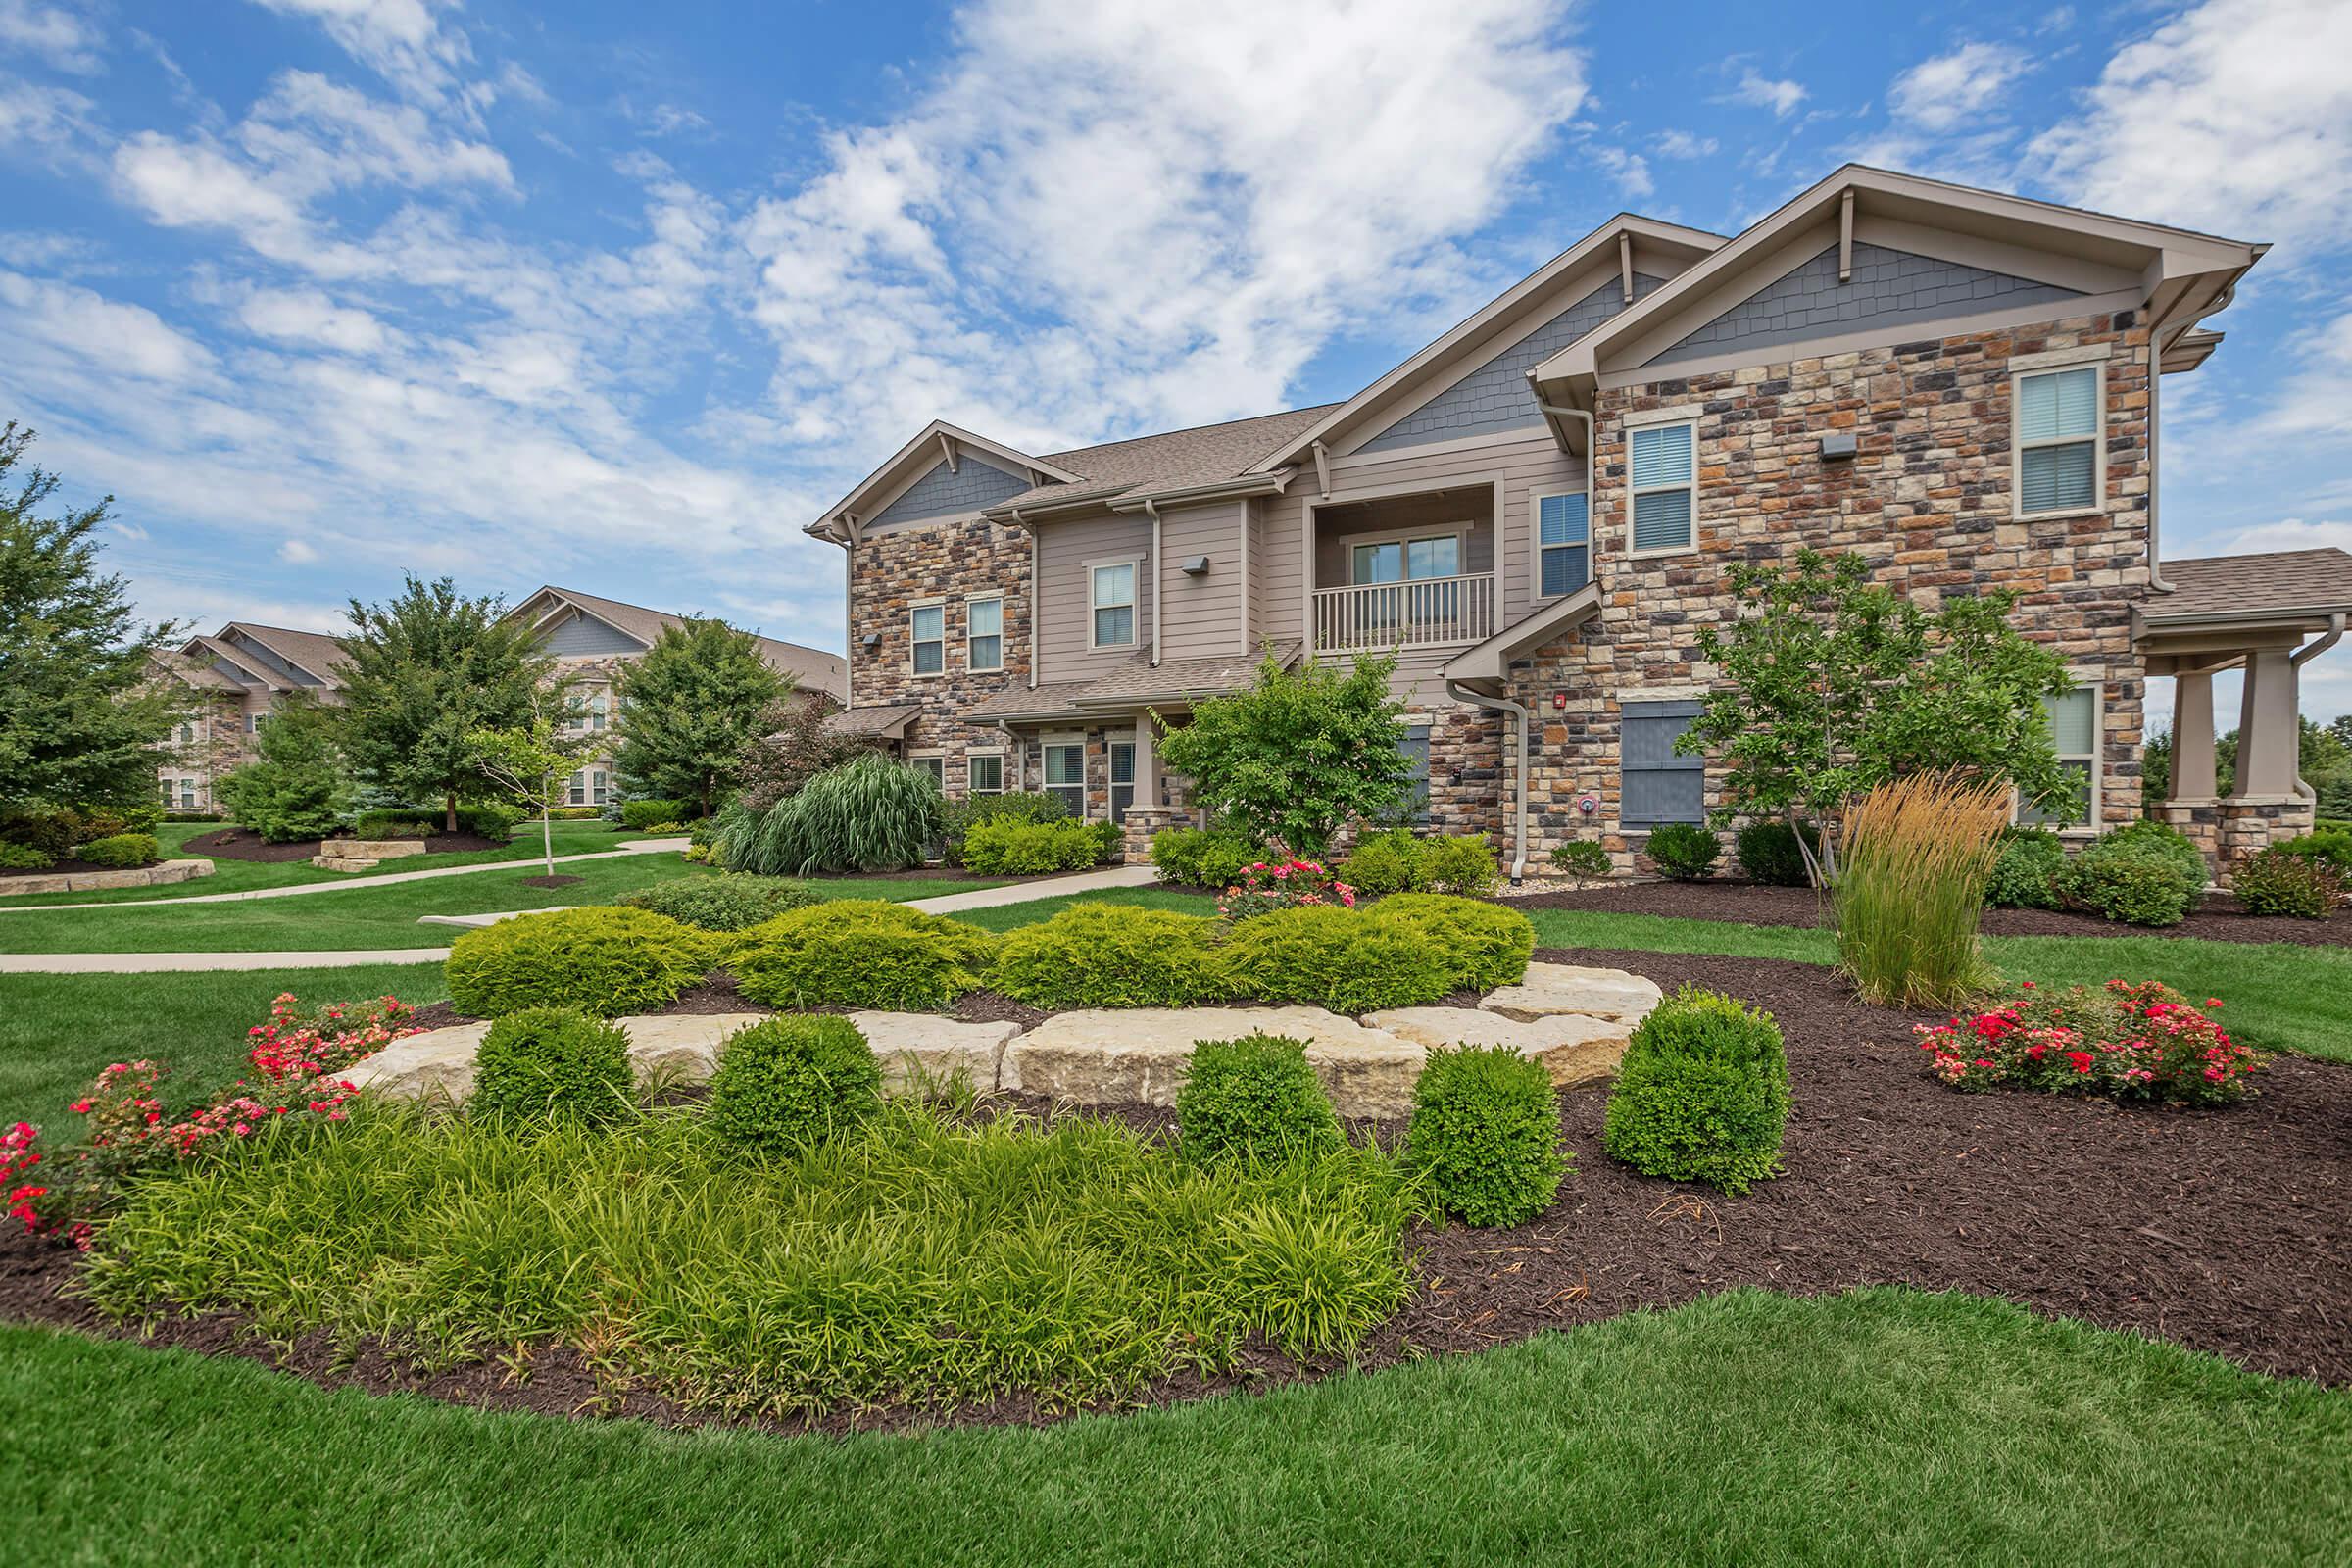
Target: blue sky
[(620, 296)]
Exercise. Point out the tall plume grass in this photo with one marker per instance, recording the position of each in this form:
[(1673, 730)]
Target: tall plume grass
[(1919, 850)]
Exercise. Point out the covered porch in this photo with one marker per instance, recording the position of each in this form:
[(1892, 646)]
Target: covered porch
[(1409, 570)]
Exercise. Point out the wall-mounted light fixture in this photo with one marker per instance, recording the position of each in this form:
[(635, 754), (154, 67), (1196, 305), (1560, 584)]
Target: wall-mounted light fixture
[(1840, 446), (1194, 567), (871, 641)]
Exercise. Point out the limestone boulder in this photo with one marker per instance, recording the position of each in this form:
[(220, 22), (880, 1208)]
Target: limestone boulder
[(924, 1047), (681, 1047), (437, 1062), (1141, 1054), (1563, 987), (1572, 1047)]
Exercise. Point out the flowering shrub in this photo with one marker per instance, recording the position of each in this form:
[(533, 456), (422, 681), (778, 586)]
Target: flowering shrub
[(1265, 886), (2126, 1042), (17, 1156)]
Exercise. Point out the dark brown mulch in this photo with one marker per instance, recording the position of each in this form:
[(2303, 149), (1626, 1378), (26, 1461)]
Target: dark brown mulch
[(2219, 918), (235, 844), (67, 867)]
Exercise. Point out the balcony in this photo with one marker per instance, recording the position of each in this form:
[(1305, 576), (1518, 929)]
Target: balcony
[(1420, 613)]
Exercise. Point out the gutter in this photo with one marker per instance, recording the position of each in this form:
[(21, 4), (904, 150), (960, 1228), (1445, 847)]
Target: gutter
[(849, 610), (1519, 719), (1273, 482), (2296, 660), (1151, 510)]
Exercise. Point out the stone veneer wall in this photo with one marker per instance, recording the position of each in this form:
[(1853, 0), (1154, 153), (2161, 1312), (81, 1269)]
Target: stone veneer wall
[(1926, 501), (222, 745)]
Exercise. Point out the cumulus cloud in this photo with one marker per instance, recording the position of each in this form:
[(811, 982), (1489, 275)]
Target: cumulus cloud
[(1684, 144), (1947, 92), (1759, 91)]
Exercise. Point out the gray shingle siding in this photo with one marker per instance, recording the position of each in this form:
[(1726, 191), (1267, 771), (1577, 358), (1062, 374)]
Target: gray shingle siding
[(1495, 396), (1890, 288), (577, 635), (252, 649), (941, 494)]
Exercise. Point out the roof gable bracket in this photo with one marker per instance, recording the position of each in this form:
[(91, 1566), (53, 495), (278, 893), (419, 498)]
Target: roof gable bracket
[(947, 447), (1323, 468), (1624, 261), (1845, 236)]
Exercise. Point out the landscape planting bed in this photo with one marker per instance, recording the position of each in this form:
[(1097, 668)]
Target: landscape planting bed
[(2221, 1229), (235, 844), (2219, 918)]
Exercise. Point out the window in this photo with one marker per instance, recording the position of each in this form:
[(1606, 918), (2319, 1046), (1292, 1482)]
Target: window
[(1406, 559), (253, 723), (598, 706), (1122, 779), (180, 794), (576, 789), (2073, 721), (1665, 486), (167, 789), (984, 773), (1065, 775), (984, 633), (933, 764), (1414, 751), (2058, 441), (600, 787), (1563, 544), (1657, 785), (1114, 605), (929, 624), (187, 734)]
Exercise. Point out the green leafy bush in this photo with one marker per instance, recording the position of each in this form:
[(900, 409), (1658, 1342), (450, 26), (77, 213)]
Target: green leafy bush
[(1769, 853), (2279, 882), (728, 902), (1254, 1098), (861, 953), (1684, 851), (1013, 805), (119, 850), (56, 832), (1110, 955), (16, 856), (491, 821), (870, 814), (1485, 1138), (545, 1065), (786, 1083), (574, 814), (1010, 847), (2145, 875), (643, 815), (2025, 874), (1583, 857), (1343, 959), (608, 962), (1399, 862), (1480, 945), (2332, 844), (1201, 858), (1702, 1093)]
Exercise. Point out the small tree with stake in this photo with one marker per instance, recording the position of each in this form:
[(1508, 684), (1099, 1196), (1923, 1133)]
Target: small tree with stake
[(1833, 684), (524, 765)]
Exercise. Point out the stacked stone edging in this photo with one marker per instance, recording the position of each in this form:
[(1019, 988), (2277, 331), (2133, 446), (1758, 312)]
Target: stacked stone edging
[(162, 874)]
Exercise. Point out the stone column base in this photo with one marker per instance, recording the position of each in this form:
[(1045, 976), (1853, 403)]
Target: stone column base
[(2238, 826), (1142, 822)]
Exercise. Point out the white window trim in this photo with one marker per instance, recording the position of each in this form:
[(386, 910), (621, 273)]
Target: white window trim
[(2095, 681), (1004, 772), (1657, 420), (970, 663), (940, 603), (2094, 360), (926, 755), (1045, 773), (1537, 495), (1135, 604)]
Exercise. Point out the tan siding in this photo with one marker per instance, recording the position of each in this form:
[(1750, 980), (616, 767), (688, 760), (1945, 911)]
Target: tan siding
[(1205, 613), (1064, 607)]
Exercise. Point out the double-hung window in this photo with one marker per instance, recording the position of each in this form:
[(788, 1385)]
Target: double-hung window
[(2073, 721), (1563, 544), (934, 767), (2058, 441), (1113, 599), (576, 789), (1065, 775), (984, 634), (984, 773), (1122, 779), (1664, 461), (928, 627), (600, 707)]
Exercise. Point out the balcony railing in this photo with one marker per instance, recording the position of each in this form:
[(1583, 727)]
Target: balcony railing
[(1422, 614)]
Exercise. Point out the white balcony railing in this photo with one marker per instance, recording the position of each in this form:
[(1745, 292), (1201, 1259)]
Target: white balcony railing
[(1421, 613)]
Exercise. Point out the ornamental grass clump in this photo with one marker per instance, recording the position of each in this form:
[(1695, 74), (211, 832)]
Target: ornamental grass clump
[(1110, 955), (786, 1083), (1343, 959), (861, 953), (1485, 1139), (1702, 1095), (1912, 889), (1255, 1098), (869, 815), (608, 962), (550, 1065)]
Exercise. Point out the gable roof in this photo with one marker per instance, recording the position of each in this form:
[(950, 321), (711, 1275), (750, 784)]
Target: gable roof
[(1176, 459), (934, 443), (813, 667), (313, 653), (2314, 583), (190, 671)]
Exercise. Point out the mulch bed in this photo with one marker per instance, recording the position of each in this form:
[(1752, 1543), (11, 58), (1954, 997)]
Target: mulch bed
[(2219, 918), (67, 867), (235, 844), (2224, 1230)]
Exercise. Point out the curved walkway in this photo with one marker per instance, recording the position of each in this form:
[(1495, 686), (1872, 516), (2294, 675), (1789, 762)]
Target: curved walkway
[(374, 880)]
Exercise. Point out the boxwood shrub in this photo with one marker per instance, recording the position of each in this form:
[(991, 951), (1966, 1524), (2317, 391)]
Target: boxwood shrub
[(1398, 861), (2025, 875), (1343, 959), (119, 850), (642, 814), (1255, 1098), (1484, 1136), (1702, 1093), (1202, 857), (861, 953), (1684, 851), (2144, 874), (1110, 955), (606, 962), (1769, 853), (16, 856), (786, 1083), (545, 1065), (1008, 847), (728, 902), (1481, 945)]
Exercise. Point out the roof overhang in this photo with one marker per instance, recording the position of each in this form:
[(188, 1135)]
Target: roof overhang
[(1488, 664), (882, 722), (936, 442), (261, 634), (219, 648)]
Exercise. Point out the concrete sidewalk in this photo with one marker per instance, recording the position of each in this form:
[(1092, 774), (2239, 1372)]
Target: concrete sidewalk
[(1116, 876)]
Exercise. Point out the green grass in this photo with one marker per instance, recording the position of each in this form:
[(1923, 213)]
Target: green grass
[(1006, 916), (1881, 1427)]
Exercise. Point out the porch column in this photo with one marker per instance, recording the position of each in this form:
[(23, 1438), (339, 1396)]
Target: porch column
[(2192, 738), (1147, 766), (2268, 740)]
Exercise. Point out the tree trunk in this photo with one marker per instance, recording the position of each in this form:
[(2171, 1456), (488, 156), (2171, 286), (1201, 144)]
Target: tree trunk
[(449, 810), (547, 821)]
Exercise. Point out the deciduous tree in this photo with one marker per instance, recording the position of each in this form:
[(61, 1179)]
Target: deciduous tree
[(688, 707)]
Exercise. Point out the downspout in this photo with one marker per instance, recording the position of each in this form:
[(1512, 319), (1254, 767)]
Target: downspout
[(1033, 627), (848, 611), (1151, 508), (2295, 662), (1519, 719)]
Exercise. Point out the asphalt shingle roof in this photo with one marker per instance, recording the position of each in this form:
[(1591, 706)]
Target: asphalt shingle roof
[(810, 666), (2281, 580), (1202, 454)]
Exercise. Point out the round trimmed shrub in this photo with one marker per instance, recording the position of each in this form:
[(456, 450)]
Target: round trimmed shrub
[(1481, 945), (1201, 858), (1009, 847), (1769, 853), (1583, 857), (1110, 955), (119, 850), (861, 953), (731, 901), (1702, 1095), (2135, 877), (1381, 863), (1484, 1136), (2279, 882), (1343, 959), (544, 1066), (2026, 876), (786, 1083), (1684, 851), (1462, 865), (605, 962), (1255, 1098)]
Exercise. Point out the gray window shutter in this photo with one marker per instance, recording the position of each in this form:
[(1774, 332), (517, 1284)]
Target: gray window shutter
[(1657, 784), (1415, 750)]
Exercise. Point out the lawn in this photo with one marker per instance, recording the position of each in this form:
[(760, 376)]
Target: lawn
[(1883, 1426)]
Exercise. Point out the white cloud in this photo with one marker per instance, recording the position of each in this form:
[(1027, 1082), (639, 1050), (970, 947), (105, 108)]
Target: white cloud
[(2234, 116), (1763, 92), (2289, 533), (1951, 90), (110, 337), (49, 117), (1682, 144), (1630, 172), (298, 552), (54, 34), (402, 40), (675, 120), (309, 316)]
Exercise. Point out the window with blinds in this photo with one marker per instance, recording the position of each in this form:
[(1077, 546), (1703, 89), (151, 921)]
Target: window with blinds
[(1665, 486), (984, 773), (929, 630), (2073, 721), (1065, 775), (1114, 606), (984, 634), (1563, 544), (2058, 440)]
